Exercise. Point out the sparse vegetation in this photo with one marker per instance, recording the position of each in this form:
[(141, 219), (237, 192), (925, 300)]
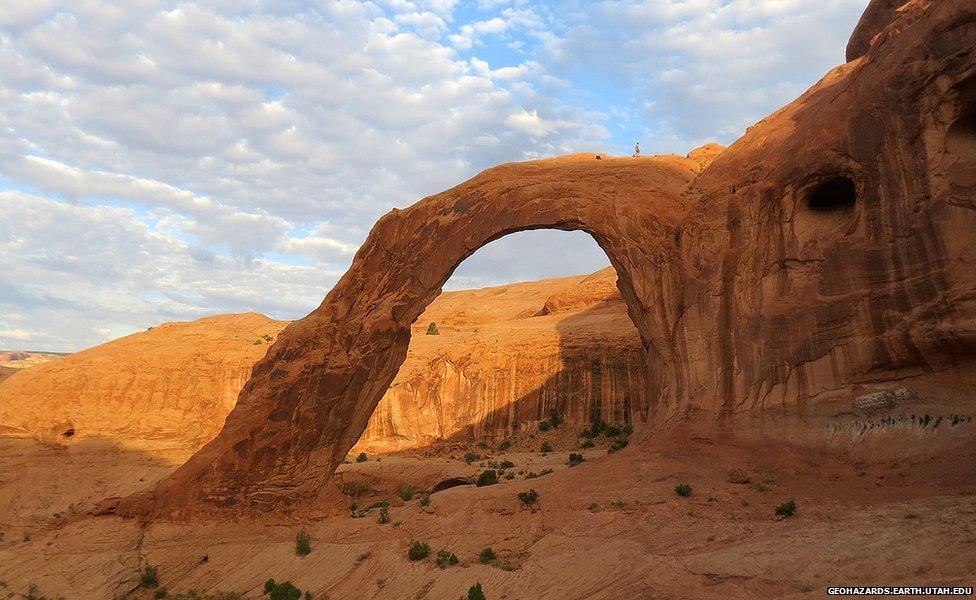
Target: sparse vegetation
[(384, 515), (470, 457), (285, 590), (506, 464), (761, 488), (445, 558), (683, 490), (545, 448), (617, 444), (544, 426), (362, 457), (432, 329), (505, 445), (587, 444), (303, 543), (575, 459), (405, 493), (786, 509), (476, 593), (529, 499), (418, 550), (488, 477), (425, 500), (363, 558), (149, 578), (487, 556)]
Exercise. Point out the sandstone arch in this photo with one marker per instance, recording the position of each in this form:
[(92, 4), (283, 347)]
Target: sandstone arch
[(745, 297), (309, 400)]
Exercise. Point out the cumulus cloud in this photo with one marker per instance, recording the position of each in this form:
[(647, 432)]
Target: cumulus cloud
[(168, 159)]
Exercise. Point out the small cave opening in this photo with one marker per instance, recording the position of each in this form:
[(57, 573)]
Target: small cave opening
[(961, 137), (68, 432), (836, 194)]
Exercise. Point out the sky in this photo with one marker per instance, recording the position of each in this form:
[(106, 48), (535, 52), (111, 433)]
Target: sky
[(167, 160)]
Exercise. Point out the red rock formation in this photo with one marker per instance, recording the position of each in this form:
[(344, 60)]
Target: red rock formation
[(831, 244)]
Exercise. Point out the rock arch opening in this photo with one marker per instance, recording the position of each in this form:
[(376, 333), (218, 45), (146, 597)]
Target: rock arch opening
[(529, 324), (833, 195)]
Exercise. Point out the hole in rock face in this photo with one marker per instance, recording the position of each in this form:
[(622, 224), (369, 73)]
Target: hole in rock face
[(69, 432), (833, 195), (961, 137)]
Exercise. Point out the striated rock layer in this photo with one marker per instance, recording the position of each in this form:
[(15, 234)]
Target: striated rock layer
[(831, 244), (504, 357)]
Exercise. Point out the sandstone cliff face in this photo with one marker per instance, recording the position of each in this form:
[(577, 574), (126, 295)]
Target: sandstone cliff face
[(175, 383), (504, 357)]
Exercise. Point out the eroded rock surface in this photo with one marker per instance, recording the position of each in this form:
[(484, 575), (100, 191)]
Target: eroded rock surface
[(831, 244)]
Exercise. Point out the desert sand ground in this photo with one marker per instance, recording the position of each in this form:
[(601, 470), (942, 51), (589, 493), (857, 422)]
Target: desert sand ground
[(881, 500)]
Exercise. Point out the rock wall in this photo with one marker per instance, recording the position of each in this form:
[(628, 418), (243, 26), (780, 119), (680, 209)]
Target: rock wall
[(505, 356)]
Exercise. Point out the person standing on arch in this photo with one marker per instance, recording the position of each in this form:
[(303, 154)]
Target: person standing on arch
[(636, 149)]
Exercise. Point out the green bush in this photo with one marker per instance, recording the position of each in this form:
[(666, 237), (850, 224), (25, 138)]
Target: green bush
[(529, 498), (544, 426), (362, 457), (285, 590), (575, 459), (445, 558), (683, 490), (384, 515), (505, 445), (161, 593), (487, 555), (405, 493), (489, 477), (269, 585), (425, 500), (432, 329), (555, 419), (470, 457), (303, 543), (506, 464), (786, 509), (149, 578), (418, 551), (587, 444), (475, 592), (545, 448), (617, 444)]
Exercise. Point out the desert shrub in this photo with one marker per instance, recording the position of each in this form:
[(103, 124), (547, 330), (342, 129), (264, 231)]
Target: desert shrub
[(545, 447), (611, 430), (617, 444), (628, 429), (379, 504), (509, 475), (425, 500), (531, 475), (575, 459), (285, 590), (432, 329), (476, 593), (418, 550), (544, 426), (362, 457), (405, 493), (489, 477), (269, 585), (529, 498), (160, 593), (683, 490), (257, 342), (470, 457), (593, 507), (555, 419), (303, 543), (505, 445), (786, 509), (761, 488), (587, 444), (445, 558), (506, 464), (384, 515), (149, 578), (486, 556)]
